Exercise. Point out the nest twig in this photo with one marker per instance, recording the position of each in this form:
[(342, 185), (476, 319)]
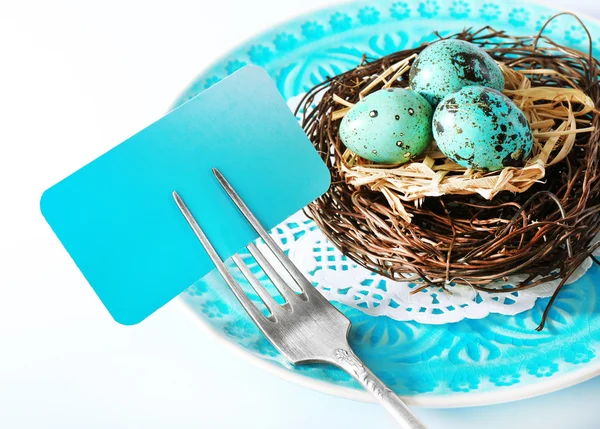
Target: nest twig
[(544, 232)]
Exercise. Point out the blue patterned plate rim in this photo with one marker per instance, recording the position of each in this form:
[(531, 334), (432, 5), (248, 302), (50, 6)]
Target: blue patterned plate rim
[(329, 41), (491, 398)]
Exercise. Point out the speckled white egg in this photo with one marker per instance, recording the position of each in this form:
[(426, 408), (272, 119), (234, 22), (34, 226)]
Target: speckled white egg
[(483, 129), (389, 126), (447, 66)]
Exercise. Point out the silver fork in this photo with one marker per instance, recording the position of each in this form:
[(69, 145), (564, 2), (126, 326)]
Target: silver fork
[(307, 328)]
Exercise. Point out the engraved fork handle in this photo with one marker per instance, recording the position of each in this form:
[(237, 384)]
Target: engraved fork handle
[(349, 362)]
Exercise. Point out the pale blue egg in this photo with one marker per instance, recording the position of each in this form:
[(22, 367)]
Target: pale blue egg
[(389, 126), (447, 66), (483, 129)]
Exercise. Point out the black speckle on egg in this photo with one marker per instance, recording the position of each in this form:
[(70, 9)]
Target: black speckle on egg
[(499, 148), (469, 159), (500, 138), (503, 127), (438, 126), (484, 104), (514, 136), (522, 120), (397, 117), (373, 113), (471, 66), (400, 144), (374, 152), (411, 111), (451, 105), (390, 90), (453, 156)]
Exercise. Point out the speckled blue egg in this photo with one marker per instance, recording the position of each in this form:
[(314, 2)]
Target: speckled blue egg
[(389, 126), (483, 129), (447, 66)]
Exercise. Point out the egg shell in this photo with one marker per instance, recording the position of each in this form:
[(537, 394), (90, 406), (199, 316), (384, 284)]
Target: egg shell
[(483, 129), (389, 126), (447, 66)]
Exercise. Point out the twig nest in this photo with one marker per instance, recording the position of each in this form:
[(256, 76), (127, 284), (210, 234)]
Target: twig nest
[(434, 219), (449, 65), (482, 129), (389, 126)]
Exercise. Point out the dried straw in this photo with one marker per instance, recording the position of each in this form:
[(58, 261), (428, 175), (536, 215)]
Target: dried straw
[(421, 220)]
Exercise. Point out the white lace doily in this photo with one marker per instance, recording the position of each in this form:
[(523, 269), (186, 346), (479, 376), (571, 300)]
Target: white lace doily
[(341, 279)]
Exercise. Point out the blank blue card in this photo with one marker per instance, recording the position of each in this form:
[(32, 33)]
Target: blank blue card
[(116, 216)]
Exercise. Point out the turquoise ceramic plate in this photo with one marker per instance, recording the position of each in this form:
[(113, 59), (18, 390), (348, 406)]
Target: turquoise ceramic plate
[(493, 359)]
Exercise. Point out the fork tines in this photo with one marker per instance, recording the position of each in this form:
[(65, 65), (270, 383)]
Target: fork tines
[(307, 290), (308, 328)]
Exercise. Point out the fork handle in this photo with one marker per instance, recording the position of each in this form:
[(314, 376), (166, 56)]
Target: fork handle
[(349, 362)]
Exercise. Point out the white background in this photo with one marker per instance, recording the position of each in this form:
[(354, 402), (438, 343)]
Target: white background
[(76, 78)]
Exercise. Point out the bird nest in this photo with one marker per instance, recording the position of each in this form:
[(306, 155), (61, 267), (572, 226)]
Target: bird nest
[(435, 220)]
